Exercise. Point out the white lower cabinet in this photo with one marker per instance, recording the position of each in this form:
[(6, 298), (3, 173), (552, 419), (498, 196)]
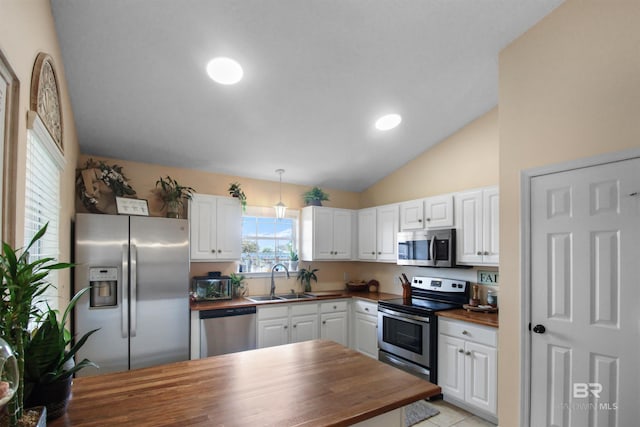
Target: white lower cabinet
[(365, 328), (468, 366), (295, 322), (334, 322)]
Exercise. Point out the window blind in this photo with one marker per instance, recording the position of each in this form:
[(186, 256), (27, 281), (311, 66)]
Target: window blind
[(42, 199)]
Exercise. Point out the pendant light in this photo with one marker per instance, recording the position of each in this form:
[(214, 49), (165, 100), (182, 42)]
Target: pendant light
[(280, 208)]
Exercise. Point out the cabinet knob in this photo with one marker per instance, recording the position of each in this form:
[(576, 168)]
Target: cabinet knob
[(486, 253), (379, 253), (465, 333), (295, 326), (479, 253), (335, 307), (324, 322), (286, 327), (219, 251), (468, 353), (373, 253), (213, 251), (428, 219), (460, 350), (419, 220), (366, 309)]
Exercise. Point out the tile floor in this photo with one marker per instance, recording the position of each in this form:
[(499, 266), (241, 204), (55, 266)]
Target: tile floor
[(450, 416)]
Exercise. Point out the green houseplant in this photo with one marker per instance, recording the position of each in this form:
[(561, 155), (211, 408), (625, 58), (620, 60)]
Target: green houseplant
[(315, 197), (236, 191), (293, 259), (305, 275), (48, 365), (23, 285), (173, 195), (237, 283)]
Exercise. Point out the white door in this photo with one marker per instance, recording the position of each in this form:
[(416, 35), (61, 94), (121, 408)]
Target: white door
[(451, 360), (585, 294), (468, 213), (411, 214), (202, 223), (323, 233), (366, 334), (367, 233), (304, 328), (229, 228), (342, 237), (481, 376), (438, 211), (273, 332), (491, 226), (334, 327)]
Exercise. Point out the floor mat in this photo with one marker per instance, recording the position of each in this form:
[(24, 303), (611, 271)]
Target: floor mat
[(418, 411)]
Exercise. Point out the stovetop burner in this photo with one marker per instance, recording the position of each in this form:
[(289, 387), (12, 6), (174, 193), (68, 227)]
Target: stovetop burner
[(430, 295)]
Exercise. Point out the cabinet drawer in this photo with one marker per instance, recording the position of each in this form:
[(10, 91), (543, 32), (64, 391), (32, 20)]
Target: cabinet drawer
[(273, 312), (366, 307), (330, 307), (469, 331), (298, 309)]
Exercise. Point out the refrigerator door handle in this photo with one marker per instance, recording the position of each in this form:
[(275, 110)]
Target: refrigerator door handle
[(125, 287), (134, 288)]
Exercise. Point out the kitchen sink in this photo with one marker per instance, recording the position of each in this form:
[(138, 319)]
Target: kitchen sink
[(294, 296), (260, 298), (280, 297)]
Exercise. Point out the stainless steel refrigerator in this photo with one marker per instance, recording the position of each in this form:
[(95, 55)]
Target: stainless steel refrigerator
[(138, 272)]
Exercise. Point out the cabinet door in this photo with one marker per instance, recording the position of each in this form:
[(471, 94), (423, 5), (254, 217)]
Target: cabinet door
[(411, 215), (481, 376), (366, 335), (304, 328), (342, 238), (367, 234), (491, 226), (322, 233), (451, 366), (334, 327), (438, 211), (273, 332), (229, 231), (202, 223), (469, 227), (387, 227)]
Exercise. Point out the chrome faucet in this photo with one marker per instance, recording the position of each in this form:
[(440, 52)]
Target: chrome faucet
[(273, 283)]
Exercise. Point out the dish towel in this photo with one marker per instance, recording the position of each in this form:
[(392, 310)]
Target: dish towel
[(417, 412)]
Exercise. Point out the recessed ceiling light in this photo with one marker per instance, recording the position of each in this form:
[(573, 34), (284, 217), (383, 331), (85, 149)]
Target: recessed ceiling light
[(388, 121), (225, 71)]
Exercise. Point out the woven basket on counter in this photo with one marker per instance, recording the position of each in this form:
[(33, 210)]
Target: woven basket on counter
[(359, 286)]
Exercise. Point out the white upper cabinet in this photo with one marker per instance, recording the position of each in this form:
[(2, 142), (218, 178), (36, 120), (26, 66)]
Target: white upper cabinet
[(215, 228), (432, 212), (477, 221), (378, 233), (326, 233)]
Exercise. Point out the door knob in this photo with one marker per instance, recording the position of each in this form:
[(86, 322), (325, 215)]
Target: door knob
[(539, 329), (460, 350)]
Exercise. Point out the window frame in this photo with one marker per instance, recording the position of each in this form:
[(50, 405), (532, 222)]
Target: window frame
[(269, 212)]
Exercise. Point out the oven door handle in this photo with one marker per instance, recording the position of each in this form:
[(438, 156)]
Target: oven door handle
[(403, 316)]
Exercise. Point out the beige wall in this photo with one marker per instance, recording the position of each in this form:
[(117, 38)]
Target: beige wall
[(26, 29), (143, 177), (466, 159), (569, 88)]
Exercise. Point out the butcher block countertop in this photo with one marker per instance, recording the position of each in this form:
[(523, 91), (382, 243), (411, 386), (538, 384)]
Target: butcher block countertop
[(312, 383), (323, 295), (486, 319)]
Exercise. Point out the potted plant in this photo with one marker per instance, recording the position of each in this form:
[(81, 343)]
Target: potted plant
[(173, 195), (237, 283), (236, 191), (305, 275), (48, 365), (293, 260), (315, 197), (23, 283)]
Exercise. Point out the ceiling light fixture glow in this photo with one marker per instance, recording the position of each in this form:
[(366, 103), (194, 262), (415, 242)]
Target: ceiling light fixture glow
[(388, 121), (225, 71)]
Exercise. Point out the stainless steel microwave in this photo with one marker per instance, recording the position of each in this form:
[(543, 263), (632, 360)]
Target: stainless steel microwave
[(427, 248)]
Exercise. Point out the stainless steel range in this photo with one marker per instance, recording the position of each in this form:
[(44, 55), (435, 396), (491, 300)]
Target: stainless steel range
[(408, 329)]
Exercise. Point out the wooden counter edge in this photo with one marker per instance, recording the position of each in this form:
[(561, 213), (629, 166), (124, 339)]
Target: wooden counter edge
[(486, 319)]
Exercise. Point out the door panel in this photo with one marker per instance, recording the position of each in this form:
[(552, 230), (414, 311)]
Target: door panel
[(585, 234), (160, 304)]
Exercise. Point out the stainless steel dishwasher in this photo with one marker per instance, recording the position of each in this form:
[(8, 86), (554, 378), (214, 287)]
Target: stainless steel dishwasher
[(227, 330)]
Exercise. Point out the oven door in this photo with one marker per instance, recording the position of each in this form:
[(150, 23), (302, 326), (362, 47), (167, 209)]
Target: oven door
[(404, 335)]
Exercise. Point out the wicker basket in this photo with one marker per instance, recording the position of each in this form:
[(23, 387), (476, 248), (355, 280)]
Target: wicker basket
[(358, 286)]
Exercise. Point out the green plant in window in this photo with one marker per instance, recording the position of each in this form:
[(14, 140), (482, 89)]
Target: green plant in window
[(238, 285)]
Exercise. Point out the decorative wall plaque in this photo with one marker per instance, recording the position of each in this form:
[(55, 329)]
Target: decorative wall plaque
[(45, 96)]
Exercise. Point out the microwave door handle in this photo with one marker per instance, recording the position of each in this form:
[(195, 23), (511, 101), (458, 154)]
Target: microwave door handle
[(432, 250)]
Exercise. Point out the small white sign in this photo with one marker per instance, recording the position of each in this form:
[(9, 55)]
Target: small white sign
[(128, 206), (487, 277)]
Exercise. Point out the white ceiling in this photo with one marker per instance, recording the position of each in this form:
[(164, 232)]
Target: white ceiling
[(317, 75)]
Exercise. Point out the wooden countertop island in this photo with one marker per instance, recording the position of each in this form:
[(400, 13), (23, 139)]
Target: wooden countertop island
[(312, 383)]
